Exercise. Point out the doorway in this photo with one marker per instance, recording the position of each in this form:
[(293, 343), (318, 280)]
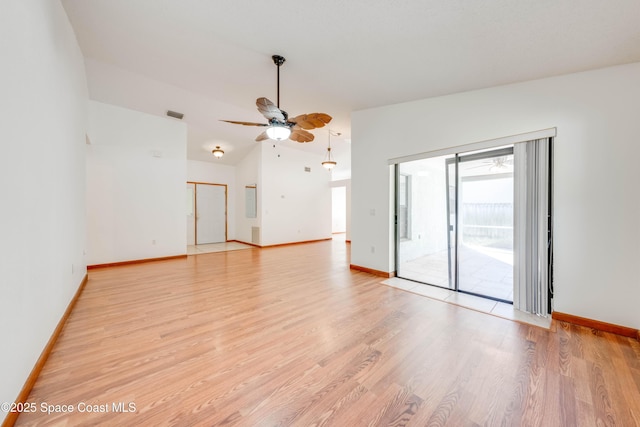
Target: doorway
[(206, 213), (454, 226), (338, 210)]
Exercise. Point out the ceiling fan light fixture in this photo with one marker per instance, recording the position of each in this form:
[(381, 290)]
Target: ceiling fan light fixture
[(278, 132), (217, 152)]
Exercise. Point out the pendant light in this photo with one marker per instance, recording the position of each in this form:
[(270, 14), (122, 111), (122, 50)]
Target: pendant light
[(217, 153), (329, 163)]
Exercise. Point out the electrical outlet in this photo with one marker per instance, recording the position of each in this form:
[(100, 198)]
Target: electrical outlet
[(373, 249)]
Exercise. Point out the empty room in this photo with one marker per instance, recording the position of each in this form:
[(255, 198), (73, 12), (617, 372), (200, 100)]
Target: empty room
[(293, 213)]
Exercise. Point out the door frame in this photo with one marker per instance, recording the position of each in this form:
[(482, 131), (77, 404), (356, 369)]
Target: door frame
[(455, 160), (461, 158), (195, 208)]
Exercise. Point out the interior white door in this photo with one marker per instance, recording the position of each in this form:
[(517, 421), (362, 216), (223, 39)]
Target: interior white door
[(191, 213), (211, 214)]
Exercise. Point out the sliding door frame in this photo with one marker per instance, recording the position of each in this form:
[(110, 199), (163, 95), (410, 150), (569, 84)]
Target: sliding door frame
[(453, 269), (550, 288), (460, 157)]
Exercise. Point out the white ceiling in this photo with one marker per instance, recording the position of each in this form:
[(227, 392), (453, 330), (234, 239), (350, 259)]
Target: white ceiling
[(211, 59)]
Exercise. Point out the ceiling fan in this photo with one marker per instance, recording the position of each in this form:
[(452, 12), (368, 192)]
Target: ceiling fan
[(279, 125), (495, 164)]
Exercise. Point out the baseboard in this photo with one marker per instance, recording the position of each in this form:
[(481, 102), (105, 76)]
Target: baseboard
[(380, 273), (296, 243), (135, 261), (246, 243), (284, 244), (11, 417), (596, 324)]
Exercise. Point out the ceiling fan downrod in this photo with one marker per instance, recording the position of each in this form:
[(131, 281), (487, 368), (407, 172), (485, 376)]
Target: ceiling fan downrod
[(278, 60)]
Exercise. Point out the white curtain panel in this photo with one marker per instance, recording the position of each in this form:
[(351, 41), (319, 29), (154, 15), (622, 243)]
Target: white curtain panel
[(531, 226)]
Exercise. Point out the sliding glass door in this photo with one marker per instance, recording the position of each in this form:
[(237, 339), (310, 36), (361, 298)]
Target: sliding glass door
[(426, 221), (455, 222), (485, 220)]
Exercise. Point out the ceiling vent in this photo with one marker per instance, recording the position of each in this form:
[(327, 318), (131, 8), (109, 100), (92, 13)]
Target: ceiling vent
[(175, 115)]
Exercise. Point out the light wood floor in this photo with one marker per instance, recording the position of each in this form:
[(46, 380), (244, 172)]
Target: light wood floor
[(290, 336)]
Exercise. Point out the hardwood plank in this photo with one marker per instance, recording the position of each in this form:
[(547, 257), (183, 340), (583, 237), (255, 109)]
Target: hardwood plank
[(292, 336)]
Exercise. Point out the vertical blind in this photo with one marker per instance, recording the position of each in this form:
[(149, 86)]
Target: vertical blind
[(532, 232)]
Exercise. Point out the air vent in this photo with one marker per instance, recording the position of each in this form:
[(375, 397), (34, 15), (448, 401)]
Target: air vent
[(307, 169), (175, 115), (255, 235)]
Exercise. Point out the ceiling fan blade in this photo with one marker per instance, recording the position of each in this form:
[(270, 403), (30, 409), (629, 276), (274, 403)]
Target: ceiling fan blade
[(244, 123), (300, 135), (311, 121), (269, 109), (262, 137)]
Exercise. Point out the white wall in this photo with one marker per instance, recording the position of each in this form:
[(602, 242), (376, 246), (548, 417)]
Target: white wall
[(116, 86), (248, 172), (136, 177), (296, 205), (293, 205), (42, 181), (597, 204), (217, 174)]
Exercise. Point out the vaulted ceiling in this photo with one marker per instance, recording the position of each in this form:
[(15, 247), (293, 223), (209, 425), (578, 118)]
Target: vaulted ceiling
[(211, 59)]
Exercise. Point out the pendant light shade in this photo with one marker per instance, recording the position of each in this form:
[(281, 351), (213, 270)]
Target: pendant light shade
[(217, 153), (329, 163), (278, 133)]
